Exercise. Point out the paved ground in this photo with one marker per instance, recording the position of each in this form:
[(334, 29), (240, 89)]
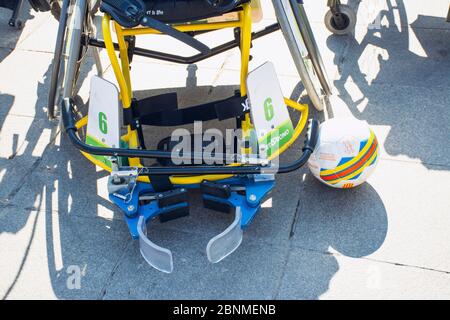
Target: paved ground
[(389, 238)]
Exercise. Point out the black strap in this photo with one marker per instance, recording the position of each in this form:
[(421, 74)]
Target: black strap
[(140, 133), (224, 109), (159, 103), (161, 183), (174, 33), (149, 105)]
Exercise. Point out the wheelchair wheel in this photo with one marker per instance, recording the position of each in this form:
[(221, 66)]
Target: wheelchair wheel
[(18, 24), (341, 22), (55, 84), (40, 5), (55, 8), (70, 52), (299, 37)]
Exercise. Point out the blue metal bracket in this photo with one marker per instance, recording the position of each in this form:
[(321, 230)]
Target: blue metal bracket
[(247, 194)]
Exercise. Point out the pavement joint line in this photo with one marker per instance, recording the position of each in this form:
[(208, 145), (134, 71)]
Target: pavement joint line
[(26, 50), (429, 28), (283, 272), (23, 116), (56, 212), (290, 243), (4, 205), (412, 161), (116, 266), (398, 264), (389, 29), (380, 83), (296, 213), (445, 166)]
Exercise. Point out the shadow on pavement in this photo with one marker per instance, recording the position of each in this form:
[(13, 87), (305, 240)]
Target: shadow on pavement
[(383, 81)]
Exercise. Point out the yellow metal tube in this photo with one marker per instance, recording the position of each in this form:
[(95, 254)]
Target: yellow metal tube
[(124, 93)]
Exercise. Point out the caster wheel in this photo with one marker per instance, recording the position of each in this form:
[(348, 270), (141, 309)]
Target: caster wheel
[(19, 24), (341, 23), (55, 9)]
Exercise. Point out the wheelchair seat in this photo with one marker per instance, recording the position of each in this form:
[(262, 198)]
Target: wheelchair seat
[(180, 11), (157, 14), (127, 12)]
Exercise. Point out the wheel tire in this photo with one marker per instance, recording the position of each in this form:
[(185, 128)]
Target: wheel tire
[(55, 9), (347, 14), (40, 5), (19, 24)]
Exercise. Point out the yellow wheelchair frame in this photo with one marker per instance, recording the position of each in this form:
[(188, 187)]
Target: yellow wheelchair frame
[(123, 77), (146, 192)]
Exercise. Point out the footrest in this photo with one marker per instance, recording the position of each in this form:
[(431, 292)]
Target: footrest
[(226, 242), (241, 195), (158, 257), (171, 197), (213, 204), (221, 190), (180, 211)]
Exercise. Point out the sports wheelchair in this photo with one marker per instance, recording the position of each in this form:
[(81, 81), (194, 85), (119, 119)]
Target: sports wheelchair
[(245, 177)]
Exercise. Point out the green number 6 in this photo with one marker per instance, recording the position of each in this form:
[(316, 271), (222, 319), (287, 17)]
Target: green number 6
[(268, 109), (102, 123)]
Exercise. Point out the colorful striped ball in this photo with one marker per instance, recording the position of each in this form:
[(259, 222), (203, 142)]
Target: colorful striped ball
[(346, 153)]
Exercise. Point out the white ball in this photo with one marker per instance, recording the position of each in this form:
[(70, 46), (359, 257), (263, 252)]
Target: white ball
[(346, 153)]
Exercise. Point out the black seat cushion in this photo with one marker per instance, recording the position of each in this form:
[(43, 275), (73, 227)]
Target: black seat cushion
[(178, 11)]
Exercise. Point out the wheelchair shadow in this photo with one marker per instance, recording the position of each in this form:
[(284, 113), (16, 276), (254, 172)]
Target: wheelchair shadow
[(396, 77), (328, 223), (88, 252), (20, 162), (37, 193)]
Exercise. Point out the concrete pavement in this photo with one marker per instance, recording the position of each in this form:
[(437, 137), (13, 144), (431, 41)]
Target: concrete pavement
[(389, 238)]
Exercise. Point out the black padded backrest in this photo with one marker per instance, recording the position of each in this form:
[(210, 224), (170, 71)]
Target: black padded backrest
[(178, 11), (127, 13), (131, 13)]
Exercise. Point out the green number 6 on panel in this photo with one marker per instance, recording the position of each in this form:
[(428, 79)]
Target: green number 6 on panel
[(268, 109), (102, 123)]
